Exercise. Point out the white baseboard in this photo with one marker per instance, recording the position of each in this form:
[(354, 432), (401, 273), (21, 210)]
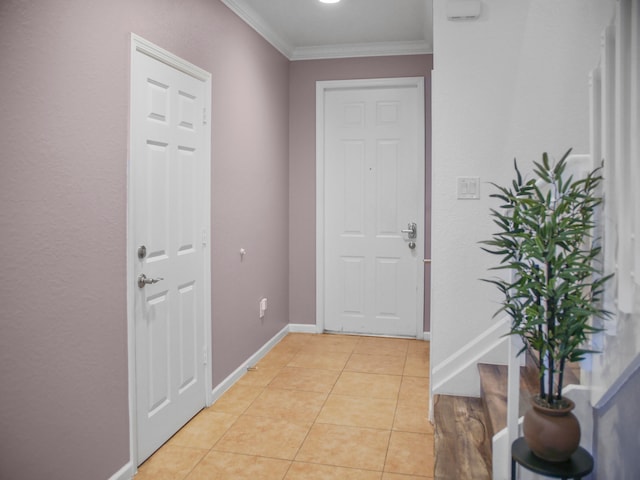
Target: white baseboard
[(228, 382), (125, 473), (312, 328), (303, 328), (128, 471)]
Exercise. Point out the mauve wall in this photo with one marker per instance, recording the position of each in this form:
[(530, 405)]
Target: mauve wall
[(63, 192), (302, 167)]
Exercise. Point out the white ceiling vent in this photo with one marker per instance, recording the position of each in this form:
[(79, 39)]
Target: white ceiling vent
[(463, 9)]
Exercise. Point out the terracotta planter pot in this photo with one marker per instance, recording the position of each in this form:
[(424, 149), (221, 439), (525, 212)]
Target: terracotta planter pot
[(551, 434)]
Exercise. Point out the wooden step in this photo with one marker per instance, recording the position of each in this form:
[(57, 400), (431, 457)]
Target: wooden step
[(493, 396), (464, 427), (493, 393), (462, 444)]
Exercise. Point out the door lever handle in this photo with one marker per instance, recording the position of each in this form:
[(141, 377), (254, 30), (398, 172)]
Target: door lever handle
[(143, 280), (412, 230)]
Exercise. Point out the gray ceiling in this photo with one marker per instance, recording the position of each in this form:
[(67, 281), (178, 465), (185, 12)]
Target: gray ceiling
[(305, 29)]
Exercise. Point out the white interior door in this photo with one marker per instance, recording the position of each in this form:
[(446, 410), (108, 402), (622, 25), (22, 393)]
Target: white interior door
[(372, 156), (168, 197)]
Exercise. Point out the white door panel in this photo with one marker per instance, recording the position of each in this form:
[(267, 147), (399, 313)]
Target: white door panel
[(168, 168), (373, 165)]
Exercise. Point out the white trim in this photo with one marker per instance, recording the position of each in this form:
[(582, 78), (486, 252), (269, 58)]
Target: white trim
[(228, 382), (255, 21), (320, 92), (321, 89), (475, 347), (125, 473), (139, 44), (458, 374), (206, 223), (352, 50), (500, 453), (303, 328), (426, 336), (513, 392), (131, 335), (144, 46), (619, 382)]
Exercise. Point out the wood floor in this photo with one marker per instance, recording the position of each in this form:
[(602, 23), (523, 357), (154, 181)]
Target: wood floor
[(464, 427), (462, 442)]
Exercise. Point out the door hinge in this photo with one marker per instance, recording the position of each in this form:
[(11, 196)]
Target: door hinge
[(205, 357), (204, 115), (204, 238)]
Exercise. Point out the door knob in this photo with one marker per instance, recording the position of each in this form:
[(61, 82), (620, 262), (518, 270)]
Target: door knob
[(143, 280)]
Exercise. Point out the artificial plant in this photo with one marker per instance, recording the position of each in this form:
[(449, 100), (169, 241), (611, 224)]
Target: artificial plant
[(544, 239)]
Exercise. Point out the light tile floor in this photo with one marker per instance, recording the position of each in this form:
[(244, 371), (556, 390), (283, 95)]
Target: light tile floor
[(317, 407)]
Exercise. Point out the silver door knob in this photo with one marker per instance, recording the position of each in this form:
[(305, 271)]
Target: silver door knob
[(143, 280)]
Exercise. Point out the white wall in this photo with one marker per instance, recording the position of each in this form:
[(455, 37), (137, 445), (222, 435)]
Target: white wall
[(511, 84), (617, 134), (614, 375)]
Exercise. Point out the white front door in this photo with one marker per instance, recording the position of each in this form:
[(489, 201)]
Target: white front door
[(168, 230), (371, 163)]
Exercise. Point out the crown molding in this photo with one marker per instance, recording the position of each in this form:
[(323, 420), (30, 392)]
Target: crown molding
[(255, 21), (361, 50)]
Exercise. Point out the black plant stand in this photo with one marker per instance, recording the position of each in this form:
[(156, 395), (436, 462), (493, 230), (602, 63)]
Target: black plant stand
[(579, 465)]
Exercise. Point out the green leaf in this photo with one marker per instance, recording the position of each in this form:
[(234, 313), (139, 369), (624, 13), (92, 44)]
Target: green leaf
[(544, 240)]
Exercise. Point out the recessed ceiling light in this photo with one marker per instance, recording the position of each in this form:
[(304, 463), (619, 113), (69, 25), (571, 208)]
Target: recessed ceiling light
[(329, 1)]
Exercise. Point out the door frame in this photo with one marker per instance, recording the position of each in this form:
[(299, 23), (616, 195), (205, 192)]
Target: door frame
[(322, 87), (140, 45)]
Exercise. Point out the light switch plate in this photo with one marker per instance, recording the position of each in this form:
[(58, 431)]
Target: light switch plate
[(468, 188)]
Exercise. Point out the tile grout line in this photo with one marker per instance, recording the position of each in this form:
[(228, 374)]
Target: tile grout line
[(395, 413), (318, 414), (324, 461), (212, 448)]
